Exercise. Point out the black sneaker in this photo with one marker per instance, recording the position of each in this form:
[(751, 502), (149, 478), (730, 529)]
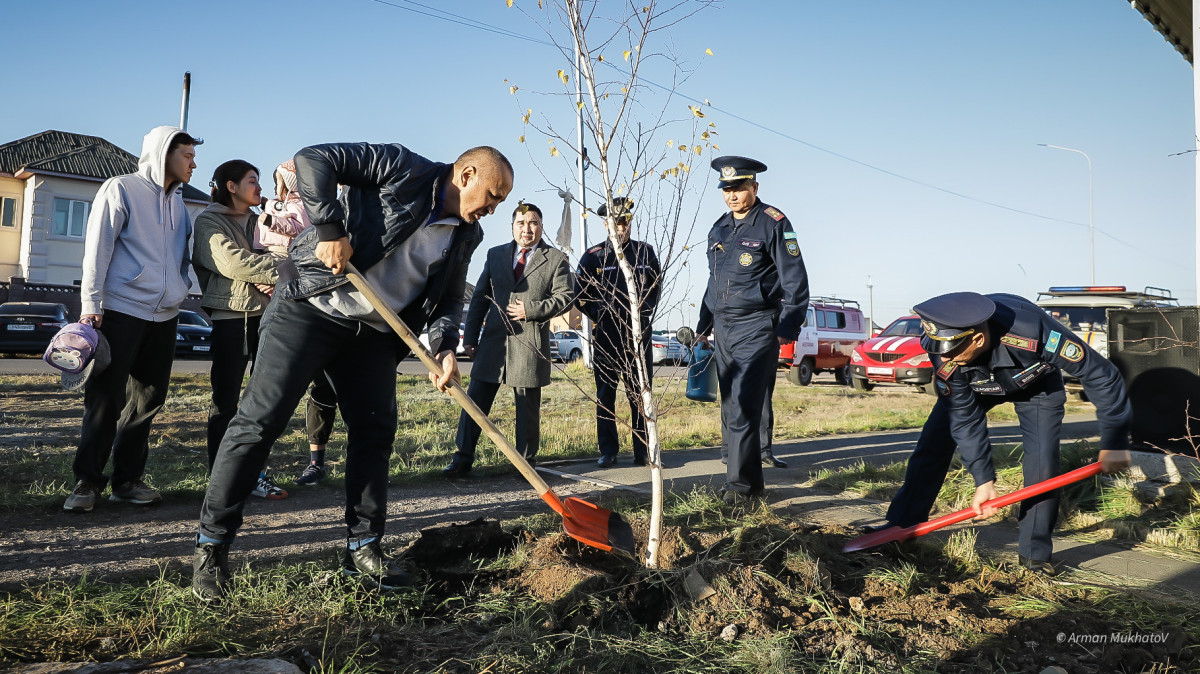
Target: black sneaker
[(1041, 566), (313, 473), (135, 492), (82, 498), (369, 563), (210, 571), (736, 498)]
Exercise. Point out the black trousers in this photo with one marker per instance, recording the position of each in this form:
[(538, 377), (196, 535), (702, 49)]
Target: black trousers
[(1040, 413), (747, 354), (234, 343), (296, 342), (766, 426), (120, 403), (528, 402), (609, 374), (321, 410)]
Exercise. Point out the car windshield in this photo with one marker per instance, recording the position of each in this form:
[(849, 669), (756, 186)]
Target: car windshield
[(28, 310), (191, 318), (904, 326), (1076, 317)]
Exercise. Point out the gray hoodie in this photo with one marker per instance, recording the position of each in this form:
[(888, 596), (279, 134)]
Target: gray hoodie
[(136, 257)]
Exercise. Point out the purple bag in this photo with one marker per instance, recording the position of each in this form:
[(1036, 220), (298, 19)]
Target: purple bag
[(72, 348)]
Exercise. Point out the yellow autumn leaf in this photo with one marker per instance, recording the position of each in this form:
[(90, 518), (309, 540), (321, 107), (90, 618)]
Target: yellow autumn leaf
[(579, 105), (626, 54), (706, 102), (521, 139), (687, 169), (670, 143), (525, 117), (600, 58), (508, 2), (708, 51), (539, 4), (683, 148), (696, 111), (646, 9), (698, 150), (636, 174), (716, 147), (704, 135), (624, 90), (513, 89), (553, 151)]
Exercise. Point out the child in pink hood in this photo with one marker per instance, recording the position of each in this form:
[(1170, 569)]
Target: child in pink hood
[(282, 218)]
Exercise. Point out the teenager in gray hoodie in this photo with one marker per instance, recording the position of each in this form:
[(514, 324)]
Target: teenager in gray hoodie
[(135, 276)]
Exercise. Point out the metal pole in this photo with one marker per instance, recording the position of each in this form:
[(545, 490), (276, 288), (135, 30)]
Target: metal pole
[(1091, 222), (187, 95), (581, 165), (870, 308)]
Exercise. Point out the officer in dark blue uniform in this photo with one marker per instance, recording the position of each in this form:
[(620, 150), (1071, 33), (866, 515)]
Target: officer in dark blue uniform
[(992, 349), (756, 300), (604, 299)]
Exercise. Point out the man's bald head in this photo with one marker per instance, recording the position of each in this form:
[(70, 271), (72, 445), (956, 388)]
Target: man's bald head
[(484, 157), (481, 179)]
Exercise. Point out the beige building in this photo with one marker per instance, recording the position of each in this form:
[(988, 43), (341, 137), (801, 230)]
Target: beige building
[(47, 183)]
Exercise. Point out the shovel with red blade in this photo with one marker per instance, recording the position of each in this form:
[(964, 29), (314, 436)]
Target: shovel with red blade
[(892, 534)]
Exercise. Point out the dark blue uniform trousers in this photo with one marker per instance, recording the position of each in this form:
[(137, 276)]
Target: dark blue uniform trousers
[(296, 342), (747, 354), (608, 375), (1040, 413)]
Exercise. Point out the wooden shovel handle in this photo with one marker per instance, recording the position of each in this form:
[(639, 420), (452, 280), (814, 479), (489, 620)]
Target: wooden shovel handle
[(456, 391)]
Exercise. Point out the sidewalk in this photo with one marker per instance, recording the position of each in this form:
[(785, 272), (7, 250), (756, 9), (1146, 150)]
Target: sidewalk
[(1103, 563)]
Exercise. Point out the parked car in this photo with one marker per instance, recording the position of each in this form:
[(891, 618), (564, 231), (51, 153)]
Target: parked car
[(566, 346), (28, 327), (832, 329), (459, 352), (666, 348), (193, 335), (894, 357), (1084, 309)]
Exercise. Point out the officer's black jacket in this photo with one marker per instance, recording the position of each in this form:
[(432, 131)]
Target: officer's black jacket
[(1027, 345), (602, 294), (755, 265), (388, 193)]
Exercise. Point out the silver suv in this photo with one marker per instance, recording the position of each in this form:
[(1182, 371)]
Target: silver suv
[(1084, 309)]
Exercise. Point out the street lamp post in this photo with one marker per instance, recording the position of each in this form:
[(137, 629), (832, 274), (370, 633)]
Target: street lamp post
[(1091, 223)]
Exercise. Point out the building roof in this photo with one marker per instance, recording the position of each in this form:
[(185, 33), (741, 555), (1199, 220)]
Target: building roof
[(73, 154), (1171, 18)]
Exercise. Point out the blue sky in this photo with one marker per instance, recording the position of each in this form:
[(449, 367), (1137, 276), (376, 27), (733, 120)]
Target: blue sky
[(834, 97)]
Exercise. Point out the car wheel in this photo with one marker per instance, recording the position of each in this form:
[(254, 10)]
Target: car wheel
[(842, 375), (929, 388), (576, 354), (801, 373), (861, 384)]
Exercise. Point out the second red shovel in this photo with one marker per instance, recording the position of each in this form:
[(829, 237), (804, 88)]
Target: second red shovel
[(893, 534)]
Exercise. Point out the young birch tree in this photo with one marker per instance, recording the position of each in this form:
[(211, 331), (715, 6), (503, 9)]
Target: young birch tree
[(635, 155)]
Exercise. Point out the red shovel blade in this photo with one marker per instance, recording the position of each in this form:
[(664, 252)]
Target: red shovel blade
[(897, 534)]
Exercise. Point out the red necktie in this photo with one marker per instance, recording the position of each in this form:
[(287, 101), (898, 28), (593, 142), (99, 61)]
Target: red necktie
[(519, 270)]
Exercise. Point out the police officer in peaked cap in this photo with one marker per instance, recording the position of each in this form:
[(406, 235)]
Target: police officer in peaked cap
[(991, 349), (604, 299), (756, 300)]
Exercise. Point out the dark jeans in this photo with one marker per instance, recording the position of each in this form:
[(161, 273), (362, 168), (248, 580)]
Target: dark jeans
[(120, 403), (1040, 413), (747, 355), (608, 375), (321, 411), (234, 343), (296, 342), (528, 402)]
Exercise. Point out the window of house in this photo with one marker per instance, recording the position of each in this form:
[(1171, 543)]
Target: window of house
[(70, 217), (8, 212)]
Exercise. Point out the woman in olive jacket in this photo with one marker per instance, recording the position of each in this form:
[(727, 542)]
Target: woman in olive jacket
[(237, 284)]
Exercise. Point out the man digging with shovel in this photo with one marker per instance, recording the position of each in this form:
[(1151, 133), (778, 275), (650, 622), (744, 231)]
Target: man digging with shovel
[(988, 350), (410, 225)]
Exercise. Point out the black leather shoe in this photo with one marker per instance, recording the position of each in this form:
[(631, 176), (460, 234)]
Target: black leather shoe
[(725, 459), (458, 467), (605, 461), (770, 461), (872, 528), (370, 564), (1044, 567)]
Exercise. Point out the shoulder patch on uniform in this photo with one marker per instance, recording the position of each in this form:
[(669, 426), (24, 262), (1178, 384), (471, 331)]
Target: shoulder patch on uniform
[(774, 213), (793, 248), (789, 235), (942, 387), (1019, 342), (1071, 351), (1052, 342), (596, 248), (947, 369)]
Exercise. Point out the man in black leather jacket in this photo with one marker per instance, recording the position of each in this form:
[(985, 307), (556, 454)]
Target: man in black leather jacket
[(409, 225)]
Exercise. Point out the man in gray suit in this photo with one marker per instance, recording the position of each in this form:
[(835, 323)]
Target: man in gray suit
[(524, 284)]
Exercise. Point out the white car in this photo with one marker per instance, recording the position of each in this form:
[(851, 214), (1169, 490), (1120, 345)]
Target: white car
[(665, 348), (566, 346)]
